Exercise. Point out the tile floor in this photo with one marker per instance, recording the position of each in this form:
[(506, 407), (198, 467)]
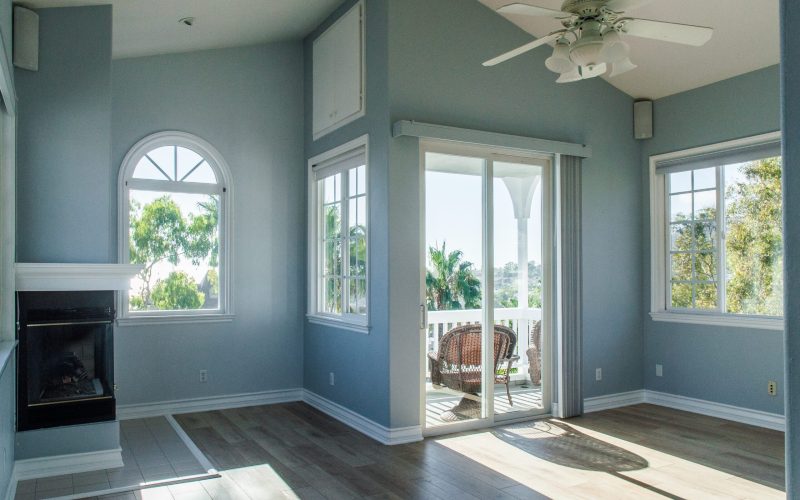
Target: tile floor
[(151, 451)]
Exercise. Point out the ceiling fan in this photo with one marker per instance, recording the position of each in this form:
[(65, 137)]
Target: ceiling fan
[(592, 37)]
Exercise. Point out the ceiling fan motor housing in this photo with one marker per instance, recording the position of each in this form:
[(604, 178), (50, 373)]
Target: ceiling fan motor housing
[(584, 8)]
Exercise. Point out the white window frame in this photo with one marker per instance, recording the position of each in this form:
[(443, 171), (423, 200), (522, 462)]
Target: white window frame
[(354, 322), (223, 188), (659, 253)]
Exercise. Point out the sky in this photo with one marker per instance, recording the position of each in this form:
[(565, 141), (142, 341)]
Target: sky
[(453, 214)]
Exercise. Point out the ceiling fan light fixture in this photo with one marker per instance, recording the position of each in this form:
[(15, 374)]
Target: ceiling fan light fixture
[(587, 51), (560, 62), (572, 76), (614, 49), (621, 67)]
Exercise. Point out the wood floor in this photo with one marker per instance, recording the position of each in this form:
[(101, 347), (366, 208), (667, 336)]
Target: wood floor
[(642, 451)]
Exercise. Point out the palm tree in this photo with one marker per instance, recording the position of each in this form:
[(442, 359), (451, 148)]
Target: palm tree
[(450, 282)]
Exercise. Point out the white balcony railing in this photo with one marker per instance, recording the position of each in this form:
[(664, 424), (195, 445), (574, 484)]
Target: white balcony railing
[(518, 319)]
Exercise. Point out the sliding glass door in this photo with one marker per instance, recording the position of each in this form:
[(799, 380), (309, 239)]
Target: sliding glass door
[(485, 257)]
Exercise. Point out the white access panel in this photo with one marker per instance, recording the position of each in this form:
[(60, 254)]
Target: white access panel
[(338, 73)]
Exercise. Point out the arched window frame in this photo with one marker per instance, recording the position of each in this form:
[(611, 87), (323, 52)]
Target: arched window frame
[(223, 188)]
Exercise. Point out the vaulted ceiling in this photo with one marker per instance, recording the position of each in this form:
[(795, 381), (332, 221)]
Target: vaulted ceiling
[(148, 27), (746, 38)]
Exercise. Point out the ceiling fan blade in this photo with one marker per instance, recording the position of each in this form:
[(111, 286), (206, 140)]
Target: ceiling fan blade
[(531, 10), (626, 5), (668, 32), (525, 48)]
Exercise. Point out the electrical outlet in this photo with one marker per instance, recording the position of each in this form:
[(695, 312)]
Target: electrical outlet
[(203, 376), (331, 379), (598, 374), (659, 371), (772, 388)]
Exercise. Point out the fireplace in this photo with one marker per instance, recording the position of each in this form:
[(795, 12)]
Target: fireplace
[(66, 358)]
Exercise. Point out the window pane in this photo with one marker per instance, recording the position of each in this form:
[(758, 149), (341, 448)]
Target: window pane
[(680, 182), (352, 214), (352, 182), (705, 267), (146, 170), (681, 266), (203, 174), (753, 243), (353, 299), (333, 295), (332, 188), (680, 207), (705, 205), (362, 179), (333, 258), (333, 221), (176, 236), (681, 295), (187, 160), (705, 296), (705, 234), (681, 237), (362, 214), (164, 157), (705, 178)]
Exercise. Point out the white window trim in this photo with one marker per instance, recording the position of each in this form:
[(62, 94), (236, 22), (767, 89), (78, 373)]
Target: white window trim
[(225, 190), (351, 322), (658, 251)]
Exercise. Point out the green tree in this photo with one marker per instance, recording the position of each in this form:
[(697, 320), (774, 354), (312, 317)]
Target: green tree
[(450, 281), (160, 233), (753, 242), (178, 291)]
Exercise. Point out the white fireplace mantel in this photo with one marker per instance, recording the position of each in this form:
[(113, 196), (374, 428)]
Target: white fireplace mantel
[(73, 277)]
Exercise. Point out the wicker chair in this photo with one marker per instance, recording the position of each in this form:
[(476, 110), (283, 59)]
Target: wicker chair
[(457, 364), (534, 353)]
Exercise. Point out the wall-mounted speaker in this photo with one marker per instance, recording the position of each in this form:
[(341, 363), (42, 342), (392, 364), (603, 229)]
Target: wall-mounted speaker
[(643, 119), (26, 39)]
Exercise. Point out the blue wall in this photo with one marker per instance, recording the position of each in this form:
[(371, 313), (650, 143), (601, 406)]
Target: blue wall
[(360, 362), (248, 104), (64, 141), (436, 51), (721, 364)]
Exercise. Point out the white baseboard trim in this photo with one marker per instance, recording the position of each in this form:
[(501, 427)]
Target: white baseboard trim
[(33, 468), (749, 416), (376, 431), (728, 412), (11, 489), (163, 408), (609, 401)]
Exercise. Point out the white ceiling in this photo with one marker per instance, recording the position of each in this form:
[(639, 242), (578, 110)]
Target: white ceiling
[(745, 39), (148, 27)]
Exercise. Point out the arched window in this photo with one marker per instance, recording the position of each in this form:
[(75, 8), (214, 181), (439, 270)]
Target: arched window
[(174, 219)]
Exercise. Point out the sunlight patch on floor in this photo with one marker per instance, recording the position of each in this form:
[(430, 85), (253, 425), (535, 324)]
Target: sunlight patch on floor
[(559, 459)]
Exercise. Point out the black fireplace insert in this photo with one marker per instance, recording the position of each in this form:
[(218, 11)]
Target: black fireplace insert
[(66, 358)]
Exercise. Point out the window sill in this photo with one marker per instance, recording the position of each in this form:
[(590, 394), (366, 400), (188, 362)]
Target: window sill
[(174, 319), (719, 320), (338, 323)]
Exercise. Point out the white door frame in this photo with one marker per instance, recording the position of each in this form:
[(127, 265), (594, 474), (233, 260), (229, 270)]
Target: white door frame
[(549, 328)]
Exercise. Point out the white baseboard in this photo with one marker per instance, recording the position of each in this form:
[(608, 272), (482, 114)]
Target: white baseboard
[(749, 416), (163, 408), (376, 431), (75, 463), (719, 410), (609, 401)]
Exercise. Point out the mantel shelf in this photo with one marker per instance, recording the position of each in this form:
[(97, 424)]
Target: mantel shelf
[(73, 277)]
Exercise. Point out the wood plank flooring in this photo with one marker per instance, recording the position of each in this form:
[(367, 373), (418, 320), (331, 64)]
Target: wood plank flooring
[(643, 451)]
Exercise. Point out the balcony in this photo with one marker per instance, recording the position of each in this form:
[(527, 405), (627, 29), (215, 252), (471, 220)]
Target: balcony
[(443, 405)]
